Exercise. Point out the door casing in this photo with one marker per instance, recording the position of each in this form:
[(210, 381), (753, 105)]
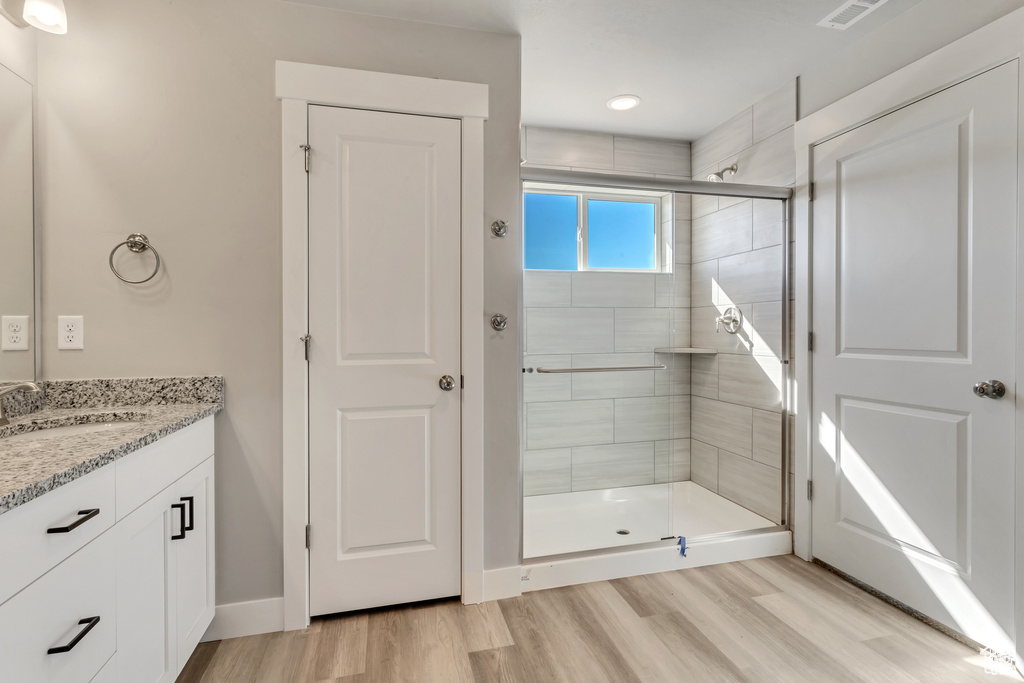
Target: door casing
[(998, 43), (297, 86)]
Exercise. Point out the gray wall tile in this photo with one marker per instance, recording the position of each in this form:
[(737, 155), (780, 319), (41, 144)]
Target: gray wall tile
[(542, 288), (570, 330), (681, 205), (674, 380), (768, 438), (723, 425), (704, 336), (750, 381), (775, 112), (725, 232), (704, 283), (683, 230), (552, 147), (704, 464), (704, 375), (599, 467), (569, 423), (672, 290), (644, 419), (768, 223), (642, 329), (703, 204), (650, 155), (671, 461), (724, 141), (539, 387), (766, 321), (613, 384), (753, 276), (547, 471), (613, 289), (755, 486), (770, 162), (680, 417), (680, 327)]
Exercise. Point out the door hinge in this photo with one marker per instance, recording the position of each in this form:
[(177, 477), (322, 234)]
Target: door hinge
[(810, 188), (308, 527), (810, 341), (305, 342), (305, 150), (810, 492), (462, 381)]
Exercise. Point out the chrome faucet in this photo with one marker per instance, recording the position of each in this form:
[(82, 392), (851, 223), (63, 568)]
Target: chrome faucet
[(26, 386), (732, 319)]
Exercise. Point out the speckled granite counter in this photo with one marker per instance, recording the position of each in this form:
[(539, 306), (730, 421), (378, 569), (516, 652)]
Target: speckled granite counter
[(145, 410)]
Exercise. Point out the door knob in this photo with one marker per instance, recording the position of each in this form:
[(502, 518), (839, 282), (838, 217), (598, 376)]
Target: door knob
[(447, 383), (990, 389), (499, 322)]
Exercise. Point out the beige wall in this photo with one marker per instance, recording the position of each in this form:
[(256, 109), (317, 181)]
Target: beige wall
[(159, 117), (18, 49)]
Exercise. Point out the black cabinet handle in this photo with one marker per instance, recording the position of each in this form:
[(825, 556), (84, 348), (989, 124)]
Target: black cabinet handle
[(86, 516), (180, 507), (191, 500), (91, 623)]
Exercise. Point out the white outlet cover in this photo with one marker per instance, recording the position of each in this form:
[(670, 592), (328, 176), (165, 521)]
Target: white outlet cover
[(15, 333), (70, 332)]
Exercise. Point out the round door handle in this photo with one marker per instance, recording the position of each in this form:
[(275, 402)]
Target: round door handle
[(447, 383), (990, 389), (499, 322)]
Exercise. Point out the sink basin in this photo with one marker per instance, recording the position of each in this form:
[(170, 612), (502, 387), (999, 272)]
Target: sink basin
[(66, 430)]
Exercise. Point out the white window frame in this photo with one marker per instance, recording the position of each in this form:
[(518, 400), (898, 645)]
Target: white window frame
[(583, 194)]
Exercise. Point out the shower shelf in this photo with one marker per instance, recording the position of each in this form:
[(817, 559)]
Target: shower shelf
[(683, 349)]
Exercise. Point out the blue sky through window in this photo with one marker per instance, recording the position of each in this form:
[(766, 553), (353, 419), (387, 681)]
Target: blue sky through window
[(549, 231), (620, 234)]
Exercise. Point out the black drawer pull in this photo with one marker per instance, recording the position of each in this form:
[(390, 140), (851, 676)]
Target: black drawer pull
[(91, 623), (86, 516), (191, 500), (180, 507)]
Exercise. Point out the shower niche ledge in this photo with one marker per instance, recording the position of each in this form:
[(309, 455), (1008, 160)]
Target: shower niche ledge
[(683, 349)]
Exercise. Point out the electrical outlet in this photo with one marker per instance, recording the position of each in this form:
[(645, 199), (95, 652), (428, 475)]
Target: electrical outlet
[(15, 332), (70, 332)]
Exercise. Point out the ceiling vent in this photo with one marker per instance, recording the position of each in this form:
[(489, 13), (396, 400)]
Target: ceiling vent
[(850, 13)]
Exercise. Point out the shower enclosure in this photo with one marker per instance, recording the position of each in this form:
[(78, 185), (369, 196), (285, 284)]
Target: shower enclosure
[(655, 369)]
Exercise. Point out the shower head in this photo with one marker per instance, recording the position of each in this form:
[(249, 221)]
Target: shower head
[(719, 177)]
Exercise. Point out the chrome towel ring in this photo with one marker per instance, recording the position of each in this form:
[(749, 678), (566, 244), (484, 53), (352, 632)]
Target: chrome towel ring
[(137, 243)]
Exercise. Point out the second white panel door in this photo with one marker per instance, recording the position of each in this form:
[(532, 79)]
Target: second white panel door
[(384, 317)]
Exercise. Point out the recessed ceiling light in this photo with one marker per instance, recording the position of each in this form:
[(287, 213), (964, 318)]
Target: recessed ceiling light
[(623, 102)]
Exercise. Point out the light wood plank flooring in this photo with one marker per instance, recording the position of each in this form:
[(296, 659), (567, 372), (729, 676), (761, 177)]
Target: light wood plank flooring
[(774, 619)]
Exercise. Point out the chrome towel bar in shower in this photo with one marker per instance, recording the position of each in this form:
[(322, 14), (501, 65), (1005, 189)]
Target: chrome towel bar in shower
[(553, 371)]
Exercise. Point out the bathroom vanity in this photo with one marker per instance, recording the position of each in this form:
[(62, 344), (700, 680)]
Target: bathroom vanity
[(107, 529)]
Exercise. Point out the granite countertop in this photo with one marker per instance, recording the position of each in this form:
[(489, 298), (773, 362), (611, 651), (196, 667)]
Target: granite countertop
[(30, 468)]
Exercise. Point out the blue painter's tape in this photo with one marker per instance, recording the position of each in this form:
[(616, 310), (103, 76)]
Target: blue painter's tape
[(682, 546)]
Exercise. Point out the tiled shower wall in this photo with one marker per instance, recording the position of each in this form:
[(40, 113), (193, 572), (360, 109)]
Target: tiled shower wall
[(602, 430), (737, 247)]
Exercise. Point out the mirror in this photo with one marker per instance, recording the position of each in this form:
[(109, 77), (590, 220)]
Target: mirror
[(17, 231)]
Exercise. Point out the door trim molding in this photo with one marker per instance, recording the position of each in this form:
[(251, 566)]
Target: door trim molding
[(298, 86), (1000, 42)]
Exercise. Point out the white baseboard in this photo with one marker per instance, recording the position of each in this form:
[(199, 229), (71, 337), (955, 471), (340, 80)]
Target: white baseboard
[(502, 583), (251, 618), (617, 565)]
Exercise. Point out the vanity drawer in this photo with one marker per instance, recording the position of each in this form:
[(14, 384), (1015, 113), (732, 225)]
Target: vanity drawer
[(69, 509), (147, 472), (56, 612)]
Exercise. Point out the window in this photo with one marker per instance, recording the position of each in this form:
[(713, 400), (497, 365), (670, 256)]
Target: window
[(577, 229)]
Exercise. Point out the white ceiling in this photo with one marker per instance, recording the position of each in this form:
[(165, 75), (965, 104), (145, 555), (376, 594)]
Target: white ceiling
[(694, 63)]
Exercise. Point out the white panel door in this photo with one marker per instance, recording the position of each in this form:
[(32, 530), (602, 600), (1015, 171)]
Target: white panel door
[(384, 317), (914, 281)]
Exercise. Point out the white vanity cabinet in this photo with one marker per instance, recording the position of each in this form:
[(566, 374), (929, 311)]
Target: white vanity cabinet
[(145, 567)]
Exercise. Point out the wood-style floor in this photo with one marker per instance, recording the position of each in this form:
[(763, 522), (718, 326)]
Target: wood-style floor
[(775, 619)]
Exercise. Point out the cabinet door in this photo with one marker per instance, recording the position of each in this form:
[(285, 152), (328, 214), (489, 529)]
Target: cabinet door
[(146, 650), (194, 559)]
